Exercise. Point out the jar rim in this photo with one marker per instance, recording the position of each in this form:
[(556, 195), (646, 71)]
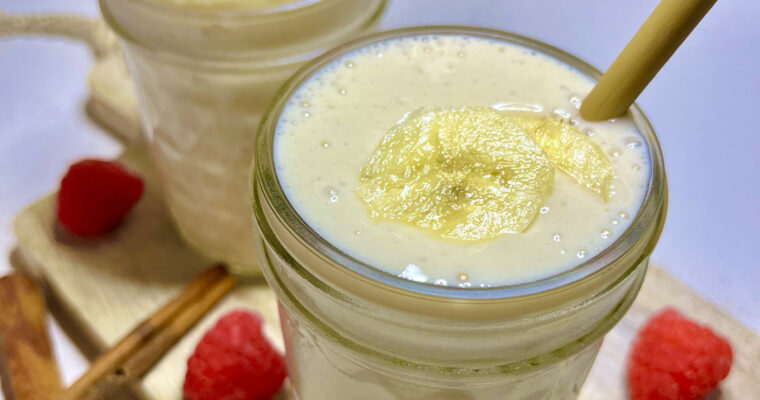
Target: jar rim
[(646, 225), (227, 13), (225, 38)]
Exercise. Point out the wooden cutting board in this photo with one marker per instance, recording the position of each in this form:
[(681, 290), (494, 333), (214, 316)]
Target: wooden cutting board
[(100, 289)]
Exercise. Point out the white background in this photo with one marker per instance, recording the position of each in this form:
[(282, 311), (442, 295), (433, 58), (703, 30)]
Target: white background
[(705, 106)]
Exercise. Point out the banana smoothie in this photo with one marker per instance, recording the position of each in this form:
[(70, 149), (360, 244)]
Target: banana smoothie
[(438, 223)]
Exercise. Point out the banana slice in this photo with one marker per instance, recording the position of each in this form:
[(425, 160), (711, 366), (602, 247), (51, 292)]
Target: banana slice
[(571, 151), (467, 173)]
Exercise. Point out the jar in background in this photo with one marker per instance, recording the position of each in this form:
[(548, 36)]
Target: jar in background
[(204, 76), (353, 331)]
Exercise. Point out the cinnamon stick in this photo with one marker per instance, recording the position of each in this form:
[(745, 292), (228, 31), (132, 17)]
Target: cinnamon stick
[(147, 343), (27, 363)]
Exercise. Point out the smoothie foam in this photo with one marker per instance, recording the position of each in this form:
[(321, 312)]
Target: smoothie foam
[(338, 117)]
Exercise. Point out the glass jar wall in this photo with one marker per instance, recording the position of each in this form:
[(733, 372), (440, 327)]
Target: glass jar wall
[(353, 331), (204, 76)]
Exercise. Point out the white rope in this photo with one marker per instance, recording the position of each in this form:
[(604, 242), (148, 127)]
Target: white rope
[(92, 31)]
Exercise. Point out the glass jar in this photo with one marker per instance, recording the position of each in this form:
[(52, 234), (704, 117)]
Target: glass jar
[(355, 332), (204, 77)]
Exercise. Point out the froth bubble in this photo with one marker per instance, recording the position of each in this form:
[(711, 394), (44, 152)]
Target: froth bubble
[(413, 273), (575, 101), (332, 195), (632, 143), (561, 113)]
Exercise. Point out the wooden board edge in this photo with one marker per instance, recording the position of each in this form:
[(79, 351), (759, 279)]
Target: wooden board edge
[(750, 336), (70, 321)]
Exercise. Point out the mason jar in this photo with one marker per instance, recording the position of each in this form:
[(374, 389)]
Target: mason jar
[(353, 331), (204, 76)]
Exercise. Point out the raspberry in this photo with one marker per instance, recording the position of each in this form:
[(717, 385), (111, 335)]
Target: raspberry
[(234, 361), (95, 196), (674, 358)]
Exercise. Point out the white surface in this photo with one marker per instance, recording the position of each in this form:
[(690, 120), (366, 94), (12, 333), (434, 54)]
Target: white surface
[(702, 104)]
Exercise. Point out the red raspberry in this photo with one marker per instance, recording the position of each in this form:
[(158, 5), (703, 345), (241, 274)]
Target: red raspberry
[(234, 361), (95, 196), (674, 358)]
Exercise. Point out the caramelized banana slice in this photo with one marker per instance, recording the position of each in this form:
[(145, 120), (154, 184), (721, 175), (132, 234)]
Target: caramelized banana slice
[(467, 173), (571, 151)]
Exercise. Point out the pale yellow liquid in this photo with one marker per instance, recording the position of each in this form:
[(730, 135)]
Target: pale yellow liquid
[(336, 120)]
